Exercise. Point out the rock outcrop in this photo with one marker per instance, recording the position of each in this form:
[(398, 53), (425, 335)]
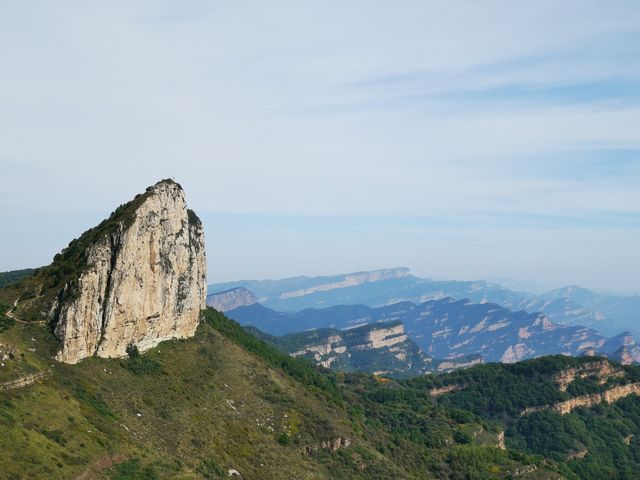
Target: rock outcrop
[(24, 381), (231, 299), (143, 281), (379, 348), (436, 392), (601, 369), (332, 445), (610, 395), (327, 345), (376, 336), (466, 362), (325, 352)]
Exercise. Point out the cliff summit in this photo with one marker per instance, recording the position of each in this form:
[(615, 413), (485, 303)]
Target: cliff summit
[(141, 278)]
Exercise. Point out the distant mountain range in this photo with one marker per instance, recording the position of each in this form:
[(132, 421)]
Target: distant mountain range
[(609, 314), (453, 329)]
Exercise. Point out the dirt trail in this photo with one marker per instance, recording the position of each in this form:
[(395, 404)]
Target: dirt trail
[(9, 313)]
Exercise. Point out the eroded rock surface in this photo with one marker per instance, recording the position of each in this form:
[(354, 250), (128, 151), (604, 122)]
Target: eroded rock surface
[(144, 280)]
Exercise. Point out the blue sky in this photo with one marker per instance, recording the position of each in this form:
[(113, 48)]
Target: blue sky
[(462, 139)]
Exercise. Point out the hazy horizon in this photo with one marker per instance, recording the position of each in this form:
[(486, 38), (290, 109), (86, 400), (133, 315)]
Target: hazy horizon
[(461, 140)]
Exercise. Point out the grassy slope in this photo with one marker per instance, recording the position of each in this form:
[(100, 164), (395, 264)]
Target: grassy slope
[(213, 402), (218, 401)]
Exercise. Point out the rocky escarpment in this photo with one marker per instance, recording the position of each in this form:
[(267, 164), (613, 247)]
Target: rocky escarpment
[(451, 365), (608, 396), (379, 348), (332, 445), (603, 370), (376, 336), (325, 352), (23, 381), (231, 299), (326, 346), (141, 280)]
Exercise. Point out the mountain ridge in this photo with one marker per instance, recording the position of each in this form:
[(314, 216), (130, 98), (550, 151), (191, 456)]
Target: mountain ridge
[(450, 329), (607, 313)]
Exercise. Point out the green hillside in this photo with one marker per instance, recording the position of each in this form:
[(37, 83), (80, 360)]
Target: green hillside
[(224, 400), (13, 276)]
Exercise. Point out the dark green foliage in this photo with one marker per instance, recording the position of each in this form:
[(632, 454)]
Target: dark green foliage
[(5, 321), (131, 470), (602, 433), (584, 386), (462, 436), (140, 364), (504, 390), (284, 439), (550, 434), (55, 435), (210, 469), (132, 351), (8, 278), (476, 462)]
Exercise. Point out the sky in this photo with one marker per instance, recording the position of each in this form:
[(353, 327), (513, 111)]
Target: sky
[(462, 139)]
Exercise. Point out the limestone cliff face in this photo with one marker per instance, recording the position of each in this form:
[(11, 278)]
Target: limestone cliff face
[(466, 362), (379, 348), (610, 395), (602, 369), (378, 337), (144, 281), (324, 353)]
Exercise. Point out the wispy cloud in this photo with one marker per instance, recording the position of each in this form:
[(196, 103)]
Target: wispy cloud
[(459, 113)]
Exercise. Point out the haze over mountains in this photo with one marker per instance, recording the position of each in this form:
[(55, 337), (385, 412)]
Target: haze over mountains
[(447, 320), (572, 305)]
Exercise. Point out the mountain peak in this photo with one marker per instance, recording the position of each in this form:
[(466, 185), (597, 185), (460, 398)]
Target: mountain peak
[(137, 278)]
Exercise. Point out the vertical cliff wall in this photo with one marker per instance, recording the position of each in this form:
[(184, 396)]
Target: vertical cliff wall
[(143, 280)]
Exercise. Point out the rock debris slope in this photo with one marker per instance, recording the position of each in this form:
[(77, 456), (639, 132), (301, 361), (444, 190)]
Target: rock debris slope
[(144, 279)]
